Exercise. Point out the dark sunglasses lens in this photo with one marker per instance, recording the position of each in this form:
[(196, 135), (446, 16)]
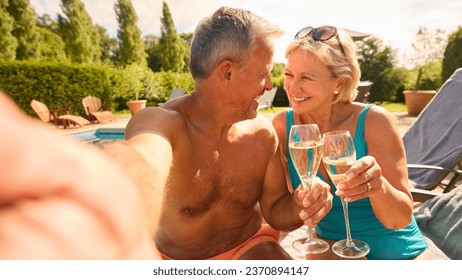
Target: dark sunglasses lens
[(303, 33), (324, 33)]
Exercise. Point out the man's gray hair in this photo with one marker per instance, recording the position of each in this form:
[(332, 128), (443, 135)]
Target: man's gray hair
[(227, 34)]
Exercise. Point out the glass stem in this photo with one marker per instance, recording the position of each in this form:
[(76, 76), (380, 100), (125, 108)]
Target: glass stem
[(309, 230), (349, 241), (309, 233)]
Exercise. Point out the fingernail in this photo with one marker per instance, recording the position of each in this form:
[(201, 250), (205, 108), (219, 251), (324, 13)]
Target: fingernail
[(349, 175)]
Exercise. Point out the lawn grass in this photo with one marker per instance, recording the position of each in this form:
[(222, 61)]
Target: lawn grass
[(122, 113), (390, 107), (394, 107)]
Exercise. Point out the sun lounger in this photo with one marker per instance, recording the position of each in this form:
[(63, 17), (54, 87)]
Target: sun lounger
[(51, 116), (95, 112), (266, 100), (176, 92), (433, 142)]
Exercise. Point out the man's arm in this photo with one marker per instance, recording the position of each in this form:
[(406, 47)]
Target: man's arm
[(287, 211), (147, 156), (148, 177), (61, 199)]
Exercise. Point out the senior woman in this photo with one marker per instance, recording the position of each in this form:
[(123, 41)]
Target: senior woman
[(321, 76)]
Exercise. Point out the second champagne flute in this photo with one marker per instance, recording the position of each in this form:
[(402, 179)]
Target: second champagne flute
[(305, 150), (338, 155)]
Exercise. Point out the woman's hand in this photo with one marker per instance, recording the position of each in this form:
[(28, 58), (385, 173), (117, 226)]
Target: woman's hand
[(316, 203), (364, 179)]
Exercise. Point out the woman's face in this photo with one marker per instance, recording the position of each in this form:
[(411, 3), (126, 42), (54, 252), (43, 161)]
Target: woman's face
[(308, 82)]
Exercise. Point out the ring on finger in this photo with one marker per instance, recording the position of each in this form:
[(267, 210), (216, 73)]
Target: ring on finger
[(369, 186)]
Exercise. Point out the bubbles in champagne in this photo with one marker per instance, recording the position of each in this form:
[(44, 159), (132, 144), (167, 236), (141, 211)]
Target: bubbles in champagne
[(337, 168), (306, 157)]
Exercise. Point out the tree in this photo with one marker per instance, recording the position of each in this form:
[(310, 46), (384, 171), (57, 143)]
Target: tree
[(109, 46), (187, 39), (131, 45), (428, 47), (172, 49), (376, 63), (8, 42), (452, 54), (52, 46), (78, 33), (25, 30), (47, 22), (152, 49)]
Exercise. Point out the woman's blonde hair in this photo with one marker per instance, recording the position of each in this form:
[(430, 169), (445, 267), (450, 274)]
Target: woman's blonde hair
[(341, 64)]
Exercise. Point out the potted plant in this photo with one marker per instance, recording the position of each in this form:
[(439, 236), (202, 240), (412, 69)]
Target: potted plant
[(137, 104), (135, 84), (428, 47)]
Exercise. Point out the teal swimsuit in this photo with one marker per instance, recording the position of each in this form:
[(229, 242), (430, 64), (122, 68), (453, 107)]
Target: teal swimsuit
[(385, 244)]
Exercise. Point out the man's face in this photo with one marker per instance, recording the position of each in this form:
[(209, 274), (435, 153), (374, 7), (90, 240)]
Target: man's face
[(253, 80)]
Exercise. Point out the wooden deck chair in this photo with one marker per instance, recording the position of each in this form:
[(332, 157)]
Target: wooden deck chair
[(51, 116), (363, 91), (266, 100), (94, 110), (176, 92), (433, 142)]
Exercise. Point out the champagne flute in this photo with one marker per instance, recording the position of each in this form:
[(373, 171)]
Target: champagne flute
[(305, 150), (338, 155)]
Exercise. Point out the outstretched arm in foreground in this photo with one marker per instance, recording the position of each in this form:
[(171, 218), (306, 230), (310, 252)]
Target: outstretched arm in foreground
[(60, 199)]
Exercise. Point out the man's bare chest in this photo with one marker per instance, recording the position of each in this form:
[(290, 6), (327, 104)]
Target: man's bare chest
[(226, 178)]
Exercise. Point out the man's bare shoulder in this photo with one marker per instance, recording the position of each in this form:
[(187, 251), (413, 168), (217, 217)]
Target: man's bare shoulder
[(154, 120), (260, 126), (260, 122)]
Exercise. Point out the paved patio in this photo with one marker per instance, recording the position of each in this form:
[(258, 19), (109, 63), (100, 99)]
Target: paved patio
[(402, 120)]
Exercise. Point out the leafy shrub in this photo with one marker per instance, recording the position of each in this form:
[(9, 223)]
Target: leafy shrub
[(277, 77), (58, 85), (63, 85), (142, 83), (452, 54), (429, 80), (428, 48)]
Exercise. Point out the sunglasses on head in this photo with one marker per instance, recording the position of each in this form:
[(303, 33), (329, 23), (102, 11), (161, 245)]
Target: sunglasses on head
[(322, 33)]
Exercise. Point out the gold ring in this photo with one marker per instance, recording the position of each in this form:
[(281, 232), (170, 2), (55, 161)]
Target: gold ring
[(369, 187)]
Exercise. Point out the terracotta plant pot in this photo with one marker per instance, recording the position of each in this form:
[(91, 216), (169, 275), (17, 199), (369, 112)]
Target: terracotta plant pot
[(417, 100), (136, 105)]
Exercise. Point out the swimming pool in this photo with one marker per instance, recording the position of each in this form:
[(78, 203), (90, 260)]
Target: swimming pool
[(97, 135)]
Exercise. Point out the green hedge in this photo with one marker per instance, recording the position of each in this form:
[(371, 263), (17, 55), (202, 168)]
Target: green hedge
[(59, 86), (62, 86), (280, 100), (140, 82)]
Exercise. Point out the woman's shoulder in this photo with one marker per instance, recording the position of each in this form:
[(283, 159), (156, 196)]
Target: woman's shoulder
[(371, 112), (378, 121), (280, 120), (379, 114)]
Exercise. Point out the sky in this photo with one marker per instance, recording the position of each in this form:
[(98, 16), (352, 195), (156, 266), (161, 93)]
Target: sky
[(395, 22)]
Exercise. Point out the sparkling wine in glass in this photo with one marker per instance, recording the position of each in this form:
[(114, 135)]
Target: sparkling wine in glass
[(338, 155), (305, 150)]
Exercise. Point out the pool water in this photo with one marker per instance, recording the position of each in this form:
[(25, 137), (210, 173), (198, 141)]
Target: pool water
[(97, 135)]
